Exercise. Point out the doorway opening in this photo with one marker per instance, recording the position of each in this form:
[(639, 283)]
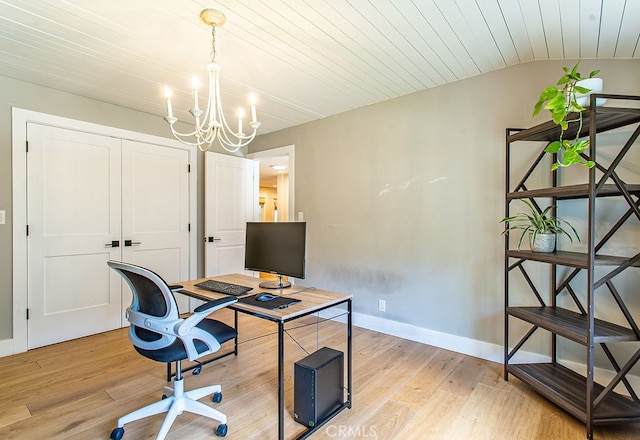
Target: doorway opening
[(276, 187)]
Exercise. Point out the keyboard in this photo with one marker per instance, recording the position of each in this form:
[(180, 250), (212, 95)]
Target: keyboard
[(221, 287)]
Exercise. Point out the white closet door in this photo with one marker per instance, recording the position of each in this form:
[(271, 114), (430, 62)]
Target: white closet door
[(73, 215), (155, 212)]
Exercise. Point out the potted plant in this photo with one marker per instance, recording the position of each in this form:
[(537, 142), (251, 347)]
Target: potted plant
[(542, 228), (562, 101)]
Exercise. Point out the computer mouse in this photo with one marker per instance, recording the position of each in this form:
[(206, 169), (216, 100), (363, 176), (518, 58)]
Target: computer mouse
[(265, 297)]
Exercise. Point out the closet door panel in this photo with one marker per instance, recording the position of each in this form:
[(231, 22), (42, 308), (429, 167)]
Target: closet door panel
[(73, 216), (155, 211)]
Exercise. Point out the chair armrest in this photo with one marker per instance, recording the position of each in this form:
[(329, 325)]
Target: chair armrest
[(212, 306), (201, 312)]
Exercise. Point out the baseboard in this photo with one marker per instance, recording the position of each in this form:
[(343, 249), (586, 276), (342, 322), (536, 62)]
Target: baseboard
[(459, 344), (6, 347)]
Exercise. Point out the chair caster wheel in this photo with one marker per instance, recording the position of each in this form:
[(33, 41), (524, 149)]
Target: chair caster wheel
[(164, 396), (216, 398), (117, 434), (222, 430)]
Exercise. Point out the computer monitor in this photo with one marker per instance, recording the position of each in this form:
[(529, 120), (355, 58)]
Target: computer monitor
[(277, 248)]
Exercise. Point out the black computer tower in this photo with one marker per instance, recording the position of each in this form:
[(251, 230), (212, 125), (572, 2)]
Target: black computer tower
[(318, 386)]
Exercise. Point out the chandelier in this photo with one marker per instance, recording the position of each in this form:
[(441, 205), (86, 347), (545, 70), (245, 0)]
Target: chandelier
[(210, 124)]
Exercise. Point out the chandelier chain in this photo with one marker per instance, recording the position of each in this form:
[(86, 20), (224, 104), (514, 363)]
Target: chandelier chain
[(213, 43)]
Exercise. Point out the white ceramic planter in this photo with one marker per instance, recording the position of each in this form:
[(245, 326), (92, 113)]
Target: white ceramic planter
[(595, 84), (543, 242)]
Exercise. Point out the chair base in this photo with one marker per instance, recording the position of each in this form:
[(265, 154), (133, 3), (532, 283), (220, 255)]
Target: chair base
[(174, 405)]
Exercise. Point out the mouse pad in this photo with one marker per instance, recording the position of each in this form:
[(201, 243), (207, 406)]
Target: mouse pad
[(279, 302)]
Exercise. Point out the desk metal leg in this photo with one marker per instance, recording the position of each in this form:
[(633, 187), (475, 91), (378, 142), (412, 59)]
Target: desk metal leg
[(281, 380), (281, 377), (348, 402), (235, 326), (349, 355)]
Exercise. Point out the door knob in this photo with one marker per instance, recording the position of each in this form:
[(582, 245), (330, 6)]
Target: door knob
[(114, 243), (212, 239), (132, 243)]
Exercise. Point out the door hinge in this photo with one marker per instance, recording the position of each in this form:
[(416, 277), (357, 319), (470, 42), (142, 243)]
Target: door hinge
[(27, 230), (26, 146), (189, 227), (27, 314), (188, 168)]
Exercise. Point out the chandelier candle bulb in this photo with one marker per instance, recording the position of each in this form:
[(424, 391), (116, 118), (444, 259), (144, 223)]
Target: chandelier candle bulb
[(240, 116), (252, 100), (167, 94), (194, 84)]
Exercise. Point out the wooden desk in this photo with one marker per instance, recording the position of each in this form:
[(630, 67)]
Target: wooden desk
[(312, 301)]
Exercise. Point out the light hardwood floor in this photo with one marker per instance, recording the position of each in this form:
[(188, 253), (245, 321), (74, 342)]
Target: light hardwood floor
[(402, 390)]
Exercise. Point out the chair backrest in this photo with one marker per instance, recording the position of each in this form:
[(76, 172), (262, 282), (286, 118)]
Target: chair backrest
[(153, 307)]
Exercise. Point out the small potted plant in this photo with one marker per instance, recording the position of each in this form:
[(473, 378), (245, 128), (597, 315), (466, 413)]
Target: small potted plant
[(542, 228), (562, 101)]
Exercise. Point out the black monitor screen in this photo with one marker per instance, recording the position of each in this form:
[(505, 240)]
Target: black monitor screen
[(277, 248)]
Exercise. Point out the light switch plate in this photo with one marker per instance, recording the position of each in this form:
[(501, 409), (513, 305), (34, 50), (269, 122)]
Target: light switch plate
[(3, 217)]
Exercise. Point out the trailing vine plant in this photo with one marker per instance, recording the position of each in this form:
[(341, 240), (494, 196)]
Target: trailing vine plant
[(561, 101)]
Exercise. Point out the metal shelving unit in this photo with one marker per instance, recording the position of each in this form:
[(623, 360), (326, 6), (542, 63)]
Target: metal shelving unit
[(580, 395)]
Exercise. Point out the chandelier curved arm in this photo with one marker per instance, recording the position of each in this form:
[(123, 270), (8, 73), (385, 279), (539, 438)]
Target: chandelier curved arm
[(226, 135)]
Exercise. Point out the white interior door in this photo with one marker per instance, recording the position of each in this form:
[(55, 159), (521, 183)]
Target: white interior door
[(155, 212), (73, 217), (231, 200)]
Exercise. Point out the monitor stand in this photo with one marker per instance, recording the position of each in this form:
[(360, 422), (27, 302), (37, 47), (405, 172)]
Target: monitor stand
[(279, 284)]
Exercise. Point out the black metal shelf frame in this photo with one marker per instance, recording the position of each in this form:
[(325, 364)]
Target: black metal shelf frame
[(579, 395)]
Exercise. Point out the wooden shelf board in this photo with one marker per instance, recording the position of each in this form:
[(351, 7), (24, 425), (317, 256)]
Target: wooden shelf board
[(572, 325), (567, 258), (567, 389), (607, 118), (580, 191)]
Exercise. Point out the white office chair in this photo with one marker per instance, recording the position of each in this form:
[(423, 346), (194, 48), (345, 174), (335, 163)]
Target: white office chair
[(157, 332)]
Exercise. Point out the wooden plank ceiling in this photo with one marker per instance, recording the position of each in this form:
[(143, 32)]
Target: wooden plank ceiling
[(304, 59)]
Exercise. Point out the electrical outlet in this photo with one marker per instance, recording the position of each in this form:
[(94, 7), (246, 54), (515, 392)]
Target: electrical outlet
[(382, 305), (3, 217), (300, 216)]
